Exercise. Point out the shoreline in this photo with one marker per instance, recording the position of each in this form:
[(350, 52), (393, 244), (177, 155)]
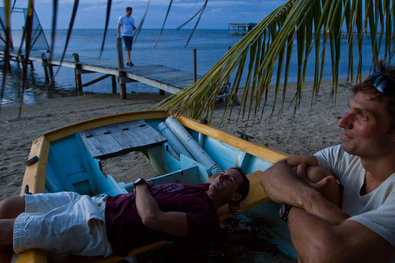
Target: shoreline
[(306, 131)]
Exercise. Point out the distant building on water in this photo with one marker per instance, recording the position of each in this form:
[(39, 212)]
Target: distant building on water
[(240, 28)]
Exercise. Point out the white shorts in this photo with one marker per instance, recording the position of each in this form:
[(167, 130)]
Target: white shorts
[(63, 222)]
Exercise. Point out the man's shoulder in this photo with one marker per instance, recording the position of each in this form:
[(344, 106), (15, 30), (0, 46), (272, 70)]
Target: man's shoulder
[(122, 17)]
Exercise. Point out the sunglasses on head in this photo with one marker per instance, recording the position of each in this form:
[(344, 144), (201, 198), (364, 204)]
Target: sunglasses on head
[(383, 83)]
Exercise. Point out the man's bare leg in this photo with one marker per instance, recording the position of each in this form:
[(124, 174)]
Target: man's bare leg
[(128, 56), (324, 182), (9, 209)]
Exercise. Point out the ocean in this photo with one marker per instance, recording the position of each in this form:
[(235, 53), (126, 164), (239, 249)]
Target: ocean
[(210, 44)]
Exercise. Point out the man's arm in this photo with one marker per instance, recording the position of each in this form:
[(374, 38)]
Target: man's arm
[(173, 223), (319, 229), (283, 186), (317, 240), (119, 31)]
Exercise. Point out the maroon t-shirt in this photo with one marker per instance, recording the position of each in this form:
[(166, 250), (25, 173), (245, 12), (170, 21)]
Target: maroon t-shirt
[(126, 231)]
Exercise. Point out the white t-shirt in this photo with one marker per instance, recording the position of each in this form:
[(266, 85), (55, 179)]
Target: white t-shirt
[(375, 210), (127, 24)]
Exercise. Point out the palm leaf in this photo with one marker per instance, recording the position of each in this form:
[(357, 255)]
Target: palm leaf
[(197, 22), (140, 26), (313, 25), (69, 30), (105, 26), (164, 23)]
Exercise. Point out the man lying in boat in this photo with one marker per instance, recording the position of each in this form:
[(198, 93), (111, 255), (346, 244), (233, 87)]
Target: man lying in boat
[(363, 228), (67, 222)]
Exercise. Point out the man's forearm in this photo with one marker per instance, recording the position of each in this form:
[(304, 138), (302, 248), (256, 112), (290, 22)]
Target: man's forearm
[(146, 205), (282, 185), (319, 206)]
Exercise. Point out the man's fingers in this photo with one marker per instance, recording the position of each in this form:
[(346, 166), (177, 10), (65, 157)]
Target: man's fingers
[(301, 171), (324, 181)]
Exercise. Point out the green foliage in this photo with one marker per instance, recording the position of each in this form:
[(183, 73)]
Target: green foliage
[(309, 23)]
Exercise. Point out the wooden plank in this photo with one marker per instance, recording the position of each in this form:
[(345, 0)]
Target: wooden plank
[(32, 256), (104, 142), (125, 141), (154, 83), (169, 77), (141, 132), (100, 146), (176, 79), (34, 175)]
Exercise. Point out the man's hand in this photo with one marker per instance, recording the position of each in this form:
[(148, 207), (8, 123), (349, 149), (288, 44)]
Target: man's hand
[(282, 185)]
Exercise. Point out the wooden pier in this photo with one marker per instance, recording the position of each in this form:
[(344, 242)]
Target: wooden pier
[(161, 77)]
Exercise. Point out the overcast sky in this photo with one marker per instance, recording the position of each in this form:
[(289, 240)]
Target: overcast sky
[(91, 13)]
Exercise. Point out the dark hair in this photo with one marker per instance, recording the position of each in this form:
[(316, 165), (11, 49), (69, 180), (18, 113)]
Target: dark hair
[(244, 187), (129, 8), (388, 100)]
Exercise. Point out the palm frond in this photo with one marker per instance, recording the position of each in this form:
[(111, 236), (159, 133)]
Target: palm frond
[(109, 2), (69, 30), (315, 26), (197, 22), (164, 23), (140, 26)]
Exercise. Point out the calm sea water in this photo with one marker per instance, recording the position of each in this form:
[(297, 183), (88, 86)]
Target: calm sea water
[(211, 45)]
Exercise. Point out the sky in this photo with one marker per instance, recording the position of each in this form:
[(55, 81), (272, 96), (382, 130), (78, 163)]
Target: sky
[(91, 13)]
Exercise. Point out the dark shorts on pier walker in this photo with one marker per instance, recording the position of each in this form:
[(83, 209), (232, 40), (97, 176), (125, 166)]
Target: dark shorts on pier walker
[(128, 42)]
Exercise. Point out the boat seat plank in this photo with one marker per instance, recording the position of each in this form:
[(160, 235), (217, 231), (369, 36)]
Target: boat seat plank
[(112, 140)]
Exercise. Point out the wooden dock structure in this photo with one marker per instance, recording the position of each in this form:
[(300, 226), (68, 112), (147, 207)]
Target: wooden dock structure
[(161, 77)]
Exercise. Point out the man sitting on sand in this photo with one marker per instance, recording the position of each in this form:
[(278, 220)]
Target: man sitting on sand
[(67, 222), (363, 229)]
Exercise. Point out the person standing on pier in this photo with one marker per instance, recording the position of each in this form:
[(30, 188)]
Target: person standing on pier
[(125, 28)]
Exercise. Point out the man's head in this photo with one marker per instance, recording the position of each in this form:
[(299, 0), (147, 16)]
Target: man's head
[(129, 11), (369, 127), (230, 185)]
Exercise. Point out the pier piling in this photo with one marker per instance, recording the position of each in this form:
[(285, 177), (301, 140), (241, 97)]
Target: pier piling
[(77, 73), (194, 65), (45, 67), (114, 84), (121, 73)]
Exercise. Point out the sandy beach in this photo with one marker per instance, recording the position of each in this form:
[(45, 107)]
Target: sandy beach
[(309, 129)]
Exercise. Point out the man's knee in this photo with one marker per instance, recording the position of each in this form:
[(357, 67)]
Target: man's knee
[(12, 207), (316, 173), (325, 183)]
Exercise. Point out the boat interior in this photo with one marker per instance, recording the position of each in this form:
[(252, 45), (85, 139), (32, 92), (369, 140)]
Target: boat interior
[(75, 164)]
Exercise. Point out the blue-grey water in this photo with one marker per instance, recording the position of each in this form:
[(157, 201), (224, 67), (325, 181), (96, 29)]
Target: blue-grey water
[(211, 45)]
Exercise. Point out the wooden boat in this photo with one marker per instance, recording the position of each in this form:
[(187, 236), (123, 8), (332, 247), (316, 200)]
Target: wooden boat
[(69, 159)]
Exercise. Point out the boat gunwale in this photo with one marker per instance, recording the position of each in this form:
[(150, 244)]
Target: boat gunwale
[(257, 150)]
